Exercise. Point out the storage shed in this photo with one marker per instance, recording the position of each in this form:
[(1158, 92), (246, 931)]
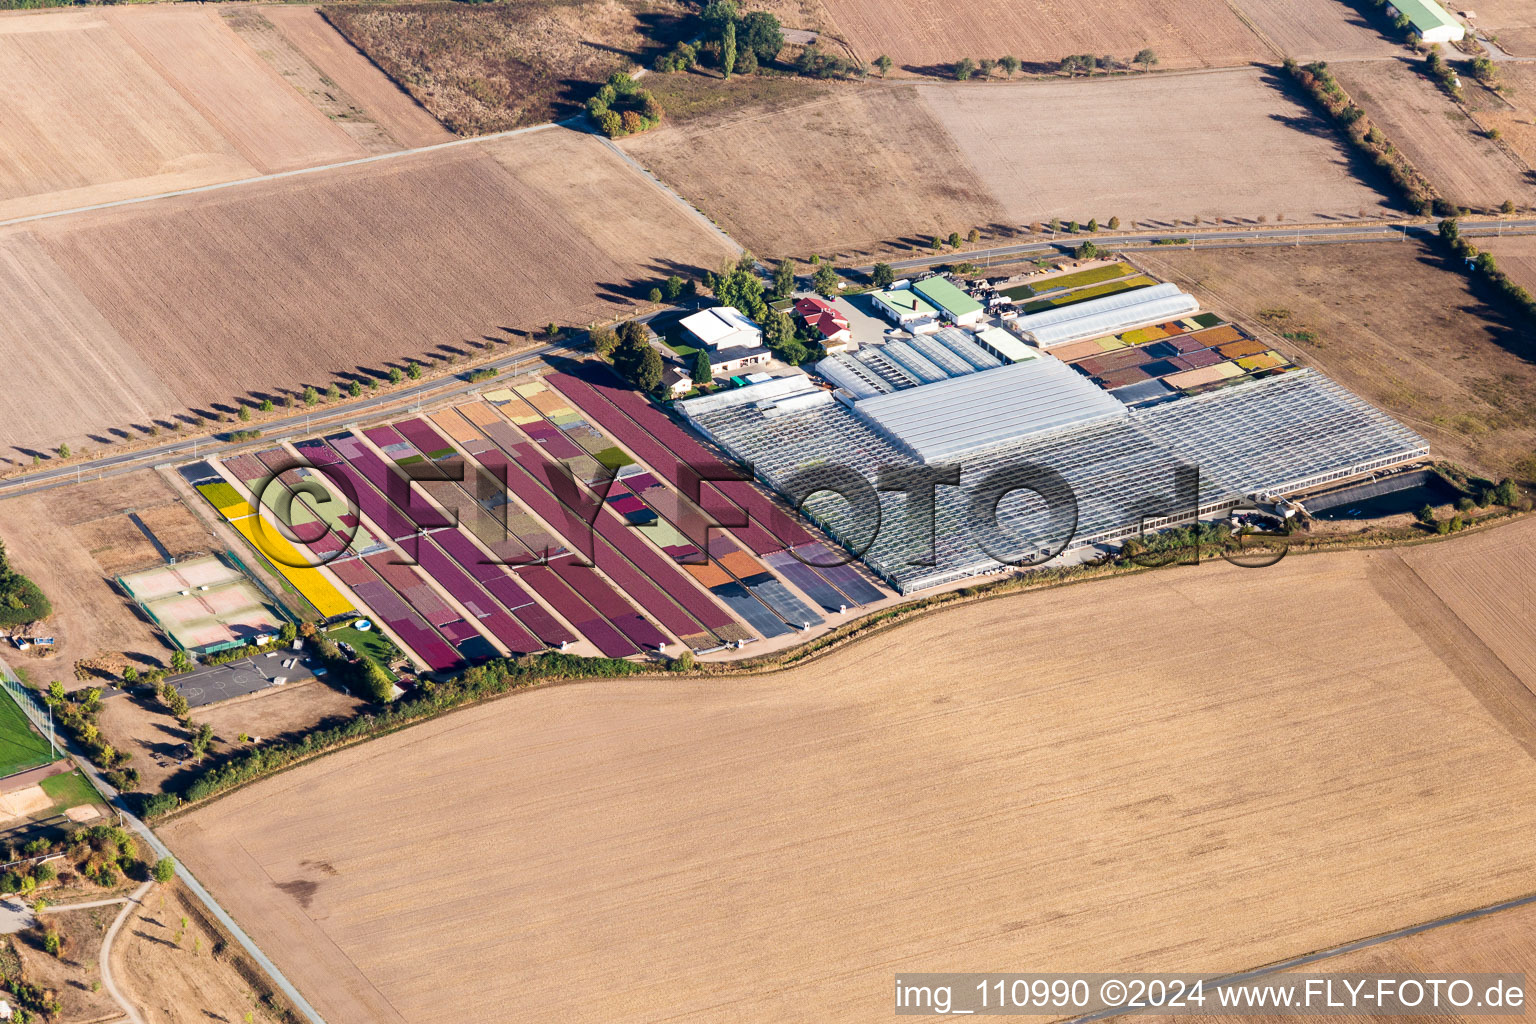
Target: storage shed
[(1433, 23), (958, 307)]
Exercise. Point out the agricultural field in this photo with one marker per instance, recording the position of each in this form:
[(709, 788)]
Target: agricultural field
[(854, 169), (73, 541), (491, 68), (1232, 144), (1512, 112), (1435, 355), (784, 816), (1317, 29), (1435, 134), (1516, 256), (305, 279), (929, 35), (1512, 23)]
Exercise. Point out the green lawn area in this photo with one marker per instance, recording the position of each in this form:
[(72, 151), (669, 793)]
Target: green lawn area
[(371, 642), (682, 348), (70, 790), (1078, 280), (1084, 294), (20, 745)]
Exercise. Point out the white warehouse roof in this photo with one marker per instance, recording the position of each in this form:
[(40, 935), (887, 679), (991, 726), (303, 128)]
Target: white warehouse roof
[(943, 420), (1109, 315), (723, 327)]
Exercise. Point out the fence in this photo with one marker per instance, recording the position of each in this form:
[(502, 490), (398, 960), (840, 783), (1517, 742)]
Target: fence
[(39, 713)]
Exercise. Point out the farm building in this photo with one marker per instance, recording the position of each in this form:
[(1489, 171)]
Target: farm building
[(829, 326), (1081, 467), (1005, 346), (1433, 23), (903, 307), (957, 307), (734, 360), (1107, 315), (723, 327)]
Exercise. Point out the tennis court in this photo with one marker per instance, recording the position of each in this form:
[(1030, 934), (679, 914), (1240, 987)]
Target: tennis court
[(203, 604)]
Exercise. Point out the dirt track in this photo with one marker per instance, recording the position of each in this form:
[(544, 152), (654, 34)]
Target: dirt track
[(1203, 769)]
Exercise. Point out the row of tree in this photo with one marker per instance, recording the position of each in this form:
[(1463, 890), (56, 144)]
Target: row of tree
[(966, 69), (621, 107)]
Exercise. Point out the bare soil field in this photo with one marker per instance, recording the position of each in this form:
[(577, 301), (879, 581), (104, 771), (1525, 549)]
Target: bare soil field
[(1516, 256), (1501, 942), (929, 35), (1390, 322), (1513, 112), (490, 68), (854, 167), (99, 122), (1317, 29), (73, 541), (1303, 772), (185, 974), (190, 302), (142, 726), (1512, 23), (1435, 134), (238, 92), (1160, 147), (354, 75)]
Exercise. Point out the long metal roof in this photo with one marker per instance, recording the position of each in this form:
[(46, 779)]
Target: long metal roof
[(946, 419), (1113, 321)]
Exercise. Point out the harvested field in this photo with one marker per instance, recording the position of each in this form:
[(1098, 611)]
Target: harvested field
[(73, 541), (240, 94), (1391, 323), (928, 35), (855, 168), (781, 819), (1497, 943), (1512, 113), (391, 108), (99, 122), (1317, 29), (490, 68), (304, 279), (1435, 134), (1512, 23), (1516, 256), (1244, 148)]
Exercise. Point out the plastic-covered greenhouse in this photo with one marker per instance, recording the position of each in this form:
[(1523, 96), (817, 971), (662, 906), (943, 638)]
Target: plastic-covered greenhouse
[(1107, 315), (1095, 481)]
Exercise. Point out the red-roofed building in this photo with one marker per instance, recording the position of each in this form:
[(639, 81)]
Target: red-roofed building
[(825, 321)]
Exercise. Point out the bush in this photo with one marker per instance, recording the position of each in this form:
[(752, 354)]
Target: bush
[(165, 870)]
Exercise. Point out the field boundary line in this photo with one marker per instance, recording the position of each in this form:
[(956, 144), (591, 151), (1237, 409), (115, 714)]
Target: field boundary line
[(280, 175), (1259, 33), (693, 211)]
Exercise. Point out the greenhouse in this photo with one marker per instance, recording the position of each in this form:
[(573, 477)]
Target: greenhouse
[(1108, 315)]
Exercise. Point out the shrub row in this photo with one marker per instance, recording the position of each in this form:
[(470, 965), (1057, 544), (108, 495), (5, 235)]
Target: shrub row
[(1319, 84), (490, 679)]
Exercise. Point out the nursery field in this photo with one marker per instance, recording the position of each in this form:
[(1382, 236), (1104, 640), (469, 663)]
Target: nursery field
[(425, 256), (784, 816)]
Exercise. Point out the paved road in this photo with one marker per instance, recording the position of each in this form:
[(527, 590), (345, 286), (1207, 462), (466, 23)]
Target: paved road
[(1229, 237), (62, 907)]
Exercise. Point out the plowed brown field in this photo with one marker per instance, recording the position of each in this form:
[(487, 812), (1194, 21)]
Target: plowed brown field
[(188, 303), (1317, 29), (1201, 768), (923, 34)]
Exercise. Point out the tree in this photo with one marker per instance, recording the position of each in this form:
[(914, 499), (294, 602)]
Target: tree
[(672, 288), (884, 63), (180, 662), (1146, 57), (245, 414), (760, 32), (1093, 224), (64, 451), (936, 244), (1087, 251), (201, 740), (1507, 207), (604, 341), (973, 236), (288, 633), (1009, 64), (1114, 223), (53, 944), (311, 396), (882, 275), (778, 331), (655, 295), (165, 870), (702, 374), (717, 14), (1506, 493), (825, 280), (985, 66), (333, 393), (266, 405), (130, 676), (354, 388), (373, 681), (648, 373), (954, 239), (964, 68), (1425, 515), (56, 693), (784, 279), (728, 49)]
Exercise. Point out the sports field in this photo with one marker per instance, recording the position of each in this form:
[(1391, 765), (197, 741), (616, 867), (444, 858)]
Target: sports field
[(1200, 768), (21, 747)]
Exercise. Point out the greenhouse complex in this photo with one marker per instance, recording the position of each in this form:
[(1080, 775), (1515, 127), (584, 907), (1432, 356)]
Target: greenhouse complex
[(1031, 459)]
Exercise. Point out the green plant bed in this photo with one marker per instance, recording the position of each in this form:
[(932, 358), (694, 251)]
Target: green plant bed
[(370, 642), (1077, 280), (613, 458), (1084, 294)]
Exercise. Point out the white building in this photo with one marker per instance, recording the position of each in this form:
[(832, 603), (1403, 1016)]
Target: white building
[(1432, 22), (723, 327)]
